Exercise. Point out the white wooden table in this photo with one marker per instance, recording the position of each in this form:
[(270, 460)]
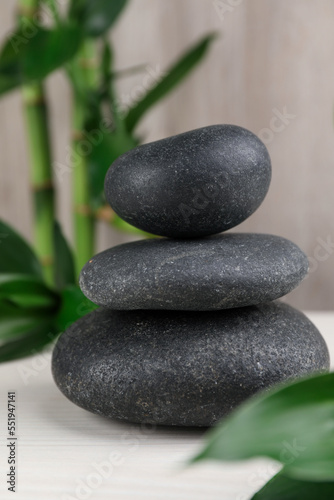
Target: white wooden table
[(66, 453)]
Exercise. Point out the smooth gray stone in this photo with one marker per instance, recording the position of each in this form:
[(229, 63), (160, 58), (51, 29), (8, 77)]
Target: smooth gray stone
[(183, 368), (217, 272), (198, 183)]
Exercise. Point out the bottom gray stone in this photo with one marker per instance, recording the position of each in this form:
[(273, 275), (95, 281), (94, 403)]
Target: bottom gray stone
[(183, 368)]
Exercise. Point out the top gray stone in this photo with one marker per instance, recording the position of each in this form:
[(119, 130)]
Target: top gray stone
[(204, 274), (194, 184)]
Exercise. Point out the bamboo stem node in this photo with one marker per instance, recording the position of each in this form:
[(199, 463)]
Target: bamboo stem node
[(83, 210), (105, 214), (43, 186), (47, 260)]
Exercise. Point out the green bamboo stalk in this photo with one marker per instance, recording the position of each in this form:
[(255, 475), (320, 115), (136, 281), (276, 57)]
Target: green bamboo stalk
[(39, 144), (84, 220)]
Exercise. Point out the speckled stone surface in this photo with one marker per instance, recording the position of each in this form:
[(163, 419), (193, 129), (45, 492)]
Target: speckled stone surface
[(182, 368), (217, 272), (197, 183)]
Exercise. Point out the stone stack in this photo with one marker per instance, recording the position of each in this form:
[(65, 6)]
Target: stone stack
[(188, 328)]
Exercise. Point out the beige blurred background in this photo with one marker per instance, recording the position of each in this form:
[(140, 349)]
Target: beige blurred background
[(271, 70)]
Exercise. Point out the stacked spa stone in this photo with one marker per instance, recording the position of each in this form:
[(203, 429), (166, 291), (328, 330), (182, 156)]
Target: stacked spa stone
[(188, 328)]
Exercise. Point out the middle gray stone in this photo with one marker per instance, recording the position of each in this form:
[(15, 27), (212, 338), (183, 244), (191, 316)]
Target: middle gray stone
[(218, 272)]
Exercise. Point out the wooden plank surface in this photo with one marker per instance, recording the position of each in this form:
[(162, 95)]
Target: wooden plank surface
[(66, 453)]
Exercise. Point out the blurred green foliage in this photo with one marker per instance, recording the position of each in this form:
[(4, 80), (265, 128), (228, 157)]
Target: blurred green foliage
[(292, 424)]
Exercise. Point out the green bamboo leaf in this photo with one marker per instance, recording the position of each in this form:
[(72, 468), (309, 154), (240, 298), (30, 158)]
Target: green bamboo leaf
[(64, 263), (174, 76), (294, 425), (11, 328), (30, 55), (96, 16), (74, 305), (27, 291), (31, 342), (15, 321), (282, 487), (16, 256), (132, 70)]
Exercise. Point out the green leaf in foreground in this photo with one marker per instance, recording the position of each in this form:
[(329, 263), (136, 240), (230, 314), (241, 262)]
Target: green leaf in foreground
[(32, 55), (174, 76), (282, 487), (294, 425), (16, 256), (64, 264), (96, 16)]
